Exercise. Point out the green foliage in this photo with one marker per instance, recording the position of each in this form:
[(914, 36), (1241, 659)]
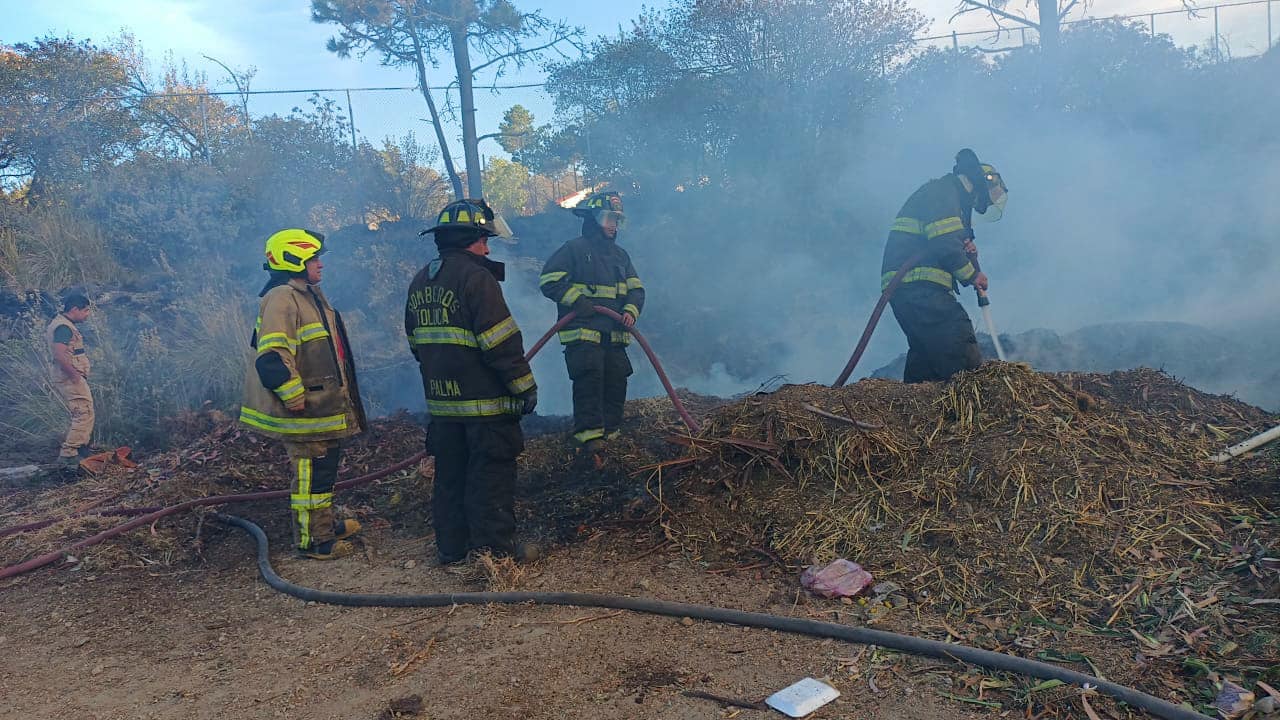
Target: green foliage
[(507, 184), (410, 187), (61, 112), (166, 232), (496, 33), (148, 366), (30, 411), (515, 129)]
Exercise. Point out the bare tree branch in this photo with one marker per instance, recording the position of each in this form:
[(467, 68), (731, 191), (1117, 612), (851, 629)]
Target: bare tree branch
[(975, 5), (519, 52)]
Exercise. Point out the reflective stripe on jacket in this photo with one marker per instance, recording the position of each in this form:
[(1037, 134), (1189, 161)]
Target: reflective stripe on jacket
[(469, 348), (296, 322), (593, 267), (933, 220)]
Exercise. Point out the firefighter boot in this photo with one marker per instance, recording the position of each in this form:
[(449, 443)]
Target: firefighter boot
[(343, 529), (328, 550), (594, 450)]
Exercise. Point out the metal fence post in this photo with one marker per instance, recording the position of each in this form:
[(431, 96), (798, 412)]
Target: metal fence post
[(204, 128), (1153, 24), (955, 39), (1269, 25), (351, 121)]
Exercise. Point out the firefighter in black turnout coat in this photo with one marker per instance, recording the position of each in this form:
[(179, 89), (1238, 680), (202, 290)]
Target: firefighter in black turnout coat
[(587, 271), (477, 383), (935, 225)]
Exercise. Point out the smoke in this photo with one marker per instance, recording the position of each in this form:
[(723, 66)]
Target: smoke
[(1143, 188), (1141, 191)]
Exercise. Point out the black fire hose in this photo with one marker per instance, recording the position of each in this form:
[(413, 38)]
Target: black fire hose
[(814, 628)]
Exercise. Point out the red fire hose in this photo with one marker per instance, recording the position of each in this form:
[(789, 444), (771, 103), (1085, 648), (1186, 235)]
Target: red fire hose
[(151, 514), (41, 561), (644, 345), (875, 319)]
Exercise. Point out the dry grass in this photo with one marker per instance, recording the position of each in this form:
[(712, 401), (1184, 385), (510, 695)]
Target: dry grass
[(502, 574), (53, 248), (31, 411), (1068, 517), (147, 371)]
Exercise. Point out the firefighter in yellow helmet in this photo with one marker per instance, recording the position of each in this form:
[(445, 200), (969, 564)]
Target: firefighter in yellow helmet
[(935, 226), (301, 387), (587, 271)]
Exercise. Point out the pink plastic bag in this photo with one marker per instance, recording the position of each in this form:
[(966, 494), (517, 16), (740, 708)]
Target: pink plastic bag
[(840, 578)]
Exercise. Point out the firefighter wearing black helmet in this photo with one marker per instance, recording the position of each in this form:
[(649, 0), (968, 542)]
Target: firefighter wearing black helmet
[(477, 382), (936, 226), (587, 271)]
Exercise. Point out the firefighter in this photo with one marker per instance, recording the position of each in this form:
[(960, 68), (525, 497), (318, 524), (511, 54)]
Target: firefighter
[(477, 383), (935, 225), (301, 388), (587, 271), (70, 375)]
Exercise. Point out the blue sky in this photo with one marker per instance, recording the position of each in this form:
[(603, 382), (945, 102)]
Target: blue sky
[(278, 38)]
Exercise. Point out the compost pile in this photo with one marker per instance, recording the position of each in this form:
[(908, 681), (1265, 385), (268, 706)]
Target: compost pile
[(1065, 516)]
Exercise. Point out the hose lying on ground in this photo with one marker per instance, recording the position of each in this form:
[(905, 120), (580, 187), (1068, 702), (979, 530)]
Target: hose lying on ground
[(47, 558), (1252, 443), (905, 643), (151, 514)]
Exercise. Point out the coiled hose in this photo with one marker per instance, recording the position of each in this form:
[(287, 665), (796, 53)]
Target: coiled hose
[(814, 628), (151, 514)]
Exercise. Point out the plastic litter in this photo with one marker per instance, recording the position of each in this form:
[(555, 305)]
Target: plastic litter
[(840, 578), (802, 698), (1233, 701)]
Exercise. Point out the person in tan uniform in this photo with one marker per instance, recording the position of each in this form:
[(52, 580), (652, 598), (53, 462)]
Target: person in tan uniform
[(70, 375), (301, 388)]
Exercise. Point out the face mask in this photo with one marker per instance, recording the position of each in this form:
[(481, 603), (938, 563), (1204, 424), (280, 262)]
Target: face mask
[(997, 195)]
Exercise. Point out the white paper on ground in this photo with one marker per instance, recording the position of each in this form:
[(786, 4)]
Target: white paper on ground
[(802, 698)]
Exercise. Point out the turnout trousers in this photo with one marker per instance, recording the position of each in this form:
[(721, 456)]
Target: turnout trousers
[(599, 374), (473, 498), (939, 333), (314, 466), (76, 396)]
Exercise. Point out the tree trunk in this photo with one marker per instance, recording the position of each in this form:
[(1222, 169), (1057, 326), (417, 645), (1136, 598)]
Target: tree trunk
[(1049, 28), (447, 156), (470, 143), (1050, 51)]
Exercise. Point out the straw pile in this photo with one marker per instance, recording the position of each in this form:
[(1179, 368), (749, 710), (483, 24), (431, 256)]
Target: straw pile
[(1028, 509)]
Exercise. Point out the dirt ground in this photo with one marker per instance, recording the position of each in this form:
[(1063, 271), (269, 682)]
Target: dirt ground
[(214, 641), (173, 621)]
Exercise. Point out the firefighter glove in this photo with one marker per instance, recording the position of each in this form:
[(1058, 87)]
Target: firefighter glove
[(530, 398), (297, 404)]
